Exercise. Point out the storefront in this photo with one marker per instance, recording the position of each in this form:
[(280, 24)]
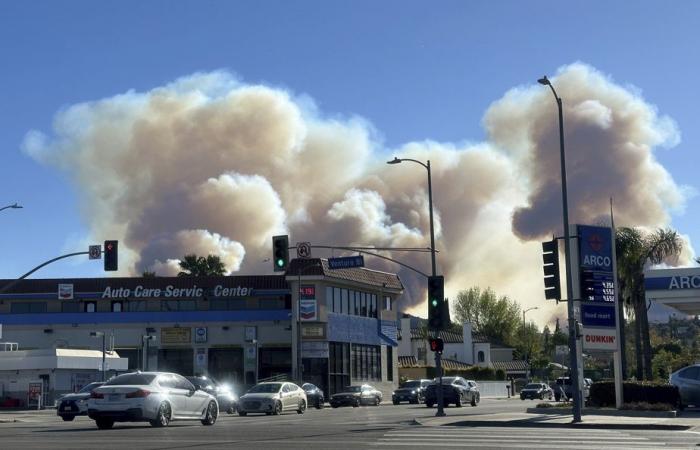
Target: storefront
[(339, 325)]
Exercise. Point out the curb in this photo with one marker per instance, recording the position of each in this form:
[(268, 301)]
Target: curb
[(528, 423), (606, 412)]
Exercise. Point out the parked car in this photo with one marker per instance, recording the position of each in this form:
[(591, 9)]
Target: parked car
[(273, 398), (357, 395), (563, 391), (155, 397), (411, 391), (314, 395), (536, 391), (72, 405), (687, 380), (455, 390), (228, 400)]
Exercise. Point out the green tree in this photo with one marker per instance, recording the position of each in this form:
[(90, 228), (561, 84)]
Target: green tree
[(199, 266), (635, 250), (497, 318)]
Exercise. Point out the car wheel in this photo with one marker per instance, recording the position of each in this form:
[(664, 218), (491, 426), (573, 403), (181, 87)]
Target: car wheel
[(242, 413), (231, 409), (458, 402), (67, 418), (557, 397), (278, 409), (211, 415), (376, 401), (396, 402), (475, 401), (302, 407), (319, 404), (333, 405), (541, 396), (104, 424), (415, 402), (356, 404), (163, 417)]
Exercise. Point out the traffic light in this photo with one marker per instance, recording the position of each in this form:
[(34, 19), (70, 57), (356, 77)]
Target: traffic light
[(550, 256), (436, 303), (436, 345), (111, 256), (280, 252)]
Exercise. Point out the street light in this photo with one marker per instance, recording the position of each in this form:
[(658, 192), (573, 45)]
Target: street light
[(573, 363), (438, 356), (13, 206), (97, 334)]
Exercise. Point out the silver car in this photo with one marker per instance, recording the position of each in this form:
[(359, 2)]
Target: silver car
[(273, 398), (687, 380), (155, 397)]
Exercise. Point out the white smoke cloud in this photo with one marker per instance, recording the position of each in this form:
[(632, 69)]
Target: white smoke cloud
[(210, 165)]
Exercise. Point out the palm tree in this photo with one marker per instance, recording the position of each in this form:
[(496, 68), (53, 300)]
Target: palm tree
[(634, 251), (199, 266)]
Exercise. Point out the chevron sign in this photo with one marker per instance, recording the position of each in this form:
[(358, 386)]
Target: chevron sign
[(307, 309)]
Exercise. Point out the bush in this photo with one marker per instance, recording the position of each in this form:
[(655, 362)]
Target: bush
[(603, 393), (644, 406), (554, 405)]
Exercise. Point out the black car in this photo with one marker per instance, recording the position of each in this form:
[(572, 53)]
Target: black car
[(71, 405), (228, 400), (356, 395), (411, 391), (455, 390), (536, 391), (314, 395)]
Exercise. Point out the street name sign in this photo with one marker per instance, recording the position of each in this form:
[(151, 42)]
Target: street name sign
[(346, 262)]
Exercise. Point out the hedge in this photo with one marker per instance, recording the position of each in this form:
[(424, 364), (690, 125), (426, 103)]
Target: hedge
[(603, 393), (473, 373)]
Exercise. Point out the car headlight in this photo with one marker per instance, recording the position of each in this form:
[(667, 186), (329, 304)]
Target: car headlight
[(413, 392)]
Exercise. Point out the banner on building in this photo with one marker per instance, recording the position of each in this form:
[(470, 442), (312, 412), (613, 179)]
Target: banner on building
[(175, 335)]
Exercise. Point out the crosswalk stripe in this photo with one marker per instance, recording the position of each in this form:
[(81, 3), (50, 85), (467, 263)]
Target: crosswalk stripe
[(539, 445)]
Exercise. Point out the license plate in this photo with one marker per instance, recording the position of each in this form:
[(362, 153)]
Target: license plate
[(114, 397)]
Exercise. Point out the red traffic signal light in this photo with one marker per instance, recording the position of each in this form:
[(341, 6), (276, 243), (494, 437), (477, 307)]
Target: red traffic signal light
[(111, 255), (436, 345)]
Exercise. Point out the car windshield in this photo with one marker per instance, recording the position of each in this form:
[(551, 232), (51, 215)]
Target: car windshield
[(89, 387), (446, 380), (411, 384), (270, 388), (533, 386), (308, 387), (353, 389), (131, 379), (202, 381)]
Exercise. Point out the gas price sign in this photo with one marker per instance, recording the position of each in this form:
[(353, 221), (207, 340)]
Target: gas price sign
[(597, 286)]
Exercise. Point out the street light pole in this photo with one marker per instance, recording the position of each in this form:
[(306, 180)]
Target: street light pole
[(527, 349), (573, 362), (438, 356)]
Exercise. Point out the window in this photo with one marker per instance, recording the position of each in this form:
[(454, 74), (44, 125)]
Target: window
[(480, 356), (182, 383), (136, 305), (373, 306), (336, 300), (422, 354), (90, 307), (117, 306), (692, 373), (70, 307), (363, 304), (28, 307), (338, 366), (387, 303), (366, 362), (329, 298), (389, 363), (344, 301)]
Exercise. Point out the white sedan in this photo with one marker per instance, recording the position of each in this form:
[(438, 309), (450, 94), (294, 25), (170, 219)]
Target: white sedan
[(273, 398), (155, 397)]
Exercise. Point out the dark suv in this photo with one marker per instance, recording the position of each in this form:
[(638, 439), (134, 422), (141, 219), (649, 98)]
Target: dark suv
[(455, 390), (411, 391)]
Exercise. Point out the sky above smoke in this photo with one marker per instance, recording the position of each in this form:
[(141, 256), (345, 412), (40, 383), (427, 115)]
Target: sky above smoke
[(211, 165)]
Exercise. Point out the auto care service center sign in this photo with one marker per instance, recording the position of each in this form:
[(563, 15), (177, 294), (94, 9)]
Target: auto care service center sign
[(597, 288)]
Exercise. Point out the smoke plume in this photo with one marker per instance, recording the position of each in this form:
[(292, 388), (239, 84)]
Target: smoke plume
[(211, 165)]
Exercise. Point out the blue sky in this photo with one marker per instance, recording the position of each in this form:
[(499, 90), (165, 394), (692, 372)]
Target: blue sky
[(414, 70)]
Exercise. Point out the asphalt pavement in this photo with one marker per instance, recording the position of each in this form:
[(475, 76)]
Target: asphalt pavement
[(352, 428)]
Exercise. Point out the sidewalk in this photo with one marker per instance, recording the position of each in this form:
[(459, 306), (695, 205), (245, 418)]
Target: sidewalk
[(24, 415), (560, 421)]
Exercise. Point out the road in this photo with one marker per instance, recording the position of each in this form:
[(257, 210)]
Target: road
[(386, 426)]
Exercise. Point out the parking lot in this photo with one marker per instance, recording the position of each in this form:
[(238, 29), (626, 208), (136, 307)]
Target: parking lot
[(386, 426)]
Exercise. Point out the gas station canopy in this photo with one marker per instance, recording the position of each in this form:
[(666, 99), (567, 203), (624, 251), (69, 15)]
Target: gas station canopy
[(677, 288)]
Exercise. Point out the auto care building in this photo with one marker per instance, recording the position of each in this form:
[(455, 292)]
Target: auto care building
[(328, 327)]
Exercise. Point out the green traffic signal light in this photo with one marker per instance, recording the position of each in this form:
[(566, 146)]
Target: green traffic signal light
[(434, 302), (280, 263)]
